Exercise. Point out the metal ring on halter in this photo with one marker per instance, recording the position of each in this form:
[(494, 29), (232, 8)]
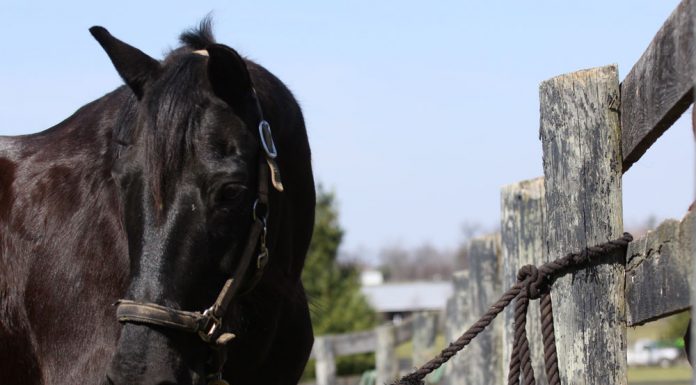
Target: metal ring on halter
[(255, 212), (211, 326), (267, 139)]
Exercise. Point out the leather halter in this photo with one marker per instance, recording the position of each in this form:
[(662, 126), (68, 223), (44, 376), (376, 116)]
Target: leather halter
[(208, 324)]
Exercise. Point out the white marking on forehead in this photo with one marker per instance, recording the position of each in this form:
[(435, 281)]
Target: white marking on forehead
[(201, 52)]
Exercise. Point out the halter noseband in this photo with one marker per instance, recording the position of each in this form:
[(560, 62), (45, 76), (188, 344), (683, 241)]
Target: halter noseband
[(208, 324)]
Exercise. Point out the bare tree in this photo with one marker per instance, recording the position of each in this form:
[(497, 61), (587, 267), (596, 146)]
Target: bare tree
[(424, 262)]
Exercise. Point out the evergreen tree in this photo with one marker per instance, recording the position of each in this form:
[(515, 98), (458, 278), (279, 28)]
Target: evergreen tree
[(333, 288)]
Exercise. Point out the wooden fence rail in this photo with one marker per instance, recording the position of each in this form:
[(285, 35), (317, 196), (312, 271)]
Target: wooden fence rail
[(420, 329), (659, 271), (592, 130)]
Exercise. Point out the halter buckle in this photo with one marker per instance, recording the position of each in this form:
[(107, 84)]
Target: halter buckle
[(267, 140), (210, 326)]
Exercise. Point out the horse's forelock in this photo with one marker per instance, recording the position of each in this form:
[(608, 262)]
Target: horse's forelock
[(199, 37), (176, 101)]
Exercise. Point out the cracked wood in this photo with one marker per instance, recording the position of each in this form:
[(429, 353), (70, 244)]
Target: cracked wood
[(581, 141), (658, 271)]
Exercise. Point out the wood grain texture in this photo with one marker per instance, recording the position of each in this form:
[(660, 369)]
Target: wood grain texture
[(485, 364), (658, 89), (475, 290), (581, 142), (458, 318), (522, 232), (658, 271)]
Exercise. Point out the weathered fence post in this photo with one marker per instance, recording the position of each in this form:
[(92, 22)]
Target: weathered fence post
[(458, 318), (424, 334), (325, 361), (692, 16), (481, 364), (581, 140), (522, 224), (484, 288), (387, 362)]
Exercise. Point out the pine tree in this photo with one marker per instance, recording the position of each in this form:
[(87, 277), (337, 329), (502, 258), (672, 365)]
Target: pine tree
[(333, 288)]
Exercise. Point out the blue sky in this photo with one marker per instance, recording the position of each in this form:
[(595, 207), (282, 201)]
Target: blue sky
[(418, 112)]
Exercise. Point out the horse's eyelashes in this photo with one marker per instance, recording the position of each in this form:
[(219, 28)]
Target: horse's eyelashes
[(231, 192)]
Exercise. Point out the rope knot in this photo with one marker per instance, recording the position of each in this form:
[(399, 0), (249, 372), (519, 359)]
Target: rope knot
[(534, 283)]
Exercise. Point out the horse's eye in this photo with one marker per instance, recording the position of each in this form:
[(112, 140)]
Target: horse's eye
[(231, 192)]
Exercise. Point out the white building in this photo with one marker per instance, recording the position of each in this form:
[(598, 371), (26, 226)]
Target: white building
[(403, 298)]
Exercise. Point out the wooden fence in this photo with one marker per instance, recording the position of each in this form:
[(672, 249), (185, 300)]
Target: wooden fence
[(592, 130), (421, 329)]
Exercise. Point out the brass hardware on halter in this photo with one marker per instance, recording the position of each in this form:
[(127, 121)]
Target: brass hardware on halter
[(213, 323), (261, 215), (271, 151), (267, 140)]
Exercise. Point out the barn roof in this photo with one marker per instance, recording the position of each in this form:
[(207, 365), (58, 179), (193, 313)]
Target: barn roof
[(408, 296)]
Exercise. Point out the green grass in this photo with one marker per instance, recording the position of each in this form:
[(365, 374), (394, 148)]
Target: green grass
[(652, 331), (663, 329), (405, 350), (655, 374)]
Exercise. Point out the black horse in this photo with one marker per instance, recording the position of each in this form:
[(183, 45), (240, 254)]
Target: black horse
[(146, 203)]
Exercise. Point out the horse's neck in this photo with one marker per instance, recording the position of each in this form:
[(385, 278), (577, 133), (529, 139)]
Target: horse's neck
[(56, 198), (90, 122)]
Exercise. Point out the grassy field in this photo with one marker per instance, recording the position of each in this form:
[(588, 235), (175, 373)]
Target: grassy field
[(657, 330), (677, 375)]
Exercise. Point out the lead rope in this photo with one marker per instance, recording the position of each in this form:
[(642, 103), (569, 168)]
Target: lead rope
[(532, 283)]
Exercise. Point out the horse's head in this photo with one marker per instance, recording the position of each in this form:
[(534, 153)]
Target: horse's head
[(192, 161)]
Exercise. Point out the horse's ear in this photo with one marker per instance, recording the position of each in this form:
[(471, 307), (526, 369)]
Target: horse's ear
[(135, 67), (228, 75)]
